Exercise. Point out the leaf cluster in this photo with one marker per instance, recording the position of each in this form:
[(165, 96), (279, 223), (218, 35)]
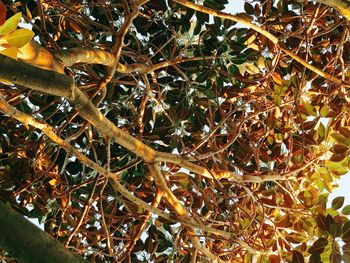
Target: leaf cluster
[(234, 101)]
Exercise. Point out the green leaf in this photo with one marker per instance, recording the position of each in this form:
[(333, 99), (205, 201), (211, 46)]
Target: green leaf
[(233, 69), (346, 210), (340, 138), (10, 24), (310, 109), (213, 4), (20, 37), (324, 111), (248, 8), (202, 77)]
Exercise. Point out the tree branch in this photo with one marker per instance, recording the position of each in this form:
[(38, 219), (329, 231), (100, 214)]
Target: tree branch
[(92, 114), (27, 242), (46, 81), (179, 210), (113, 177)]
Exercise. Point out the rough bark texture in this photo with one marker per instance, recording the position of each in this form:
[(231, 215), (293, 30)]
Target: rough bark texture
[(28, 243)]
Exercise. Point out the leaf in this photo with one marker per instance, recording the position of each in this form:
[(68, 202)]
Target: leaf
[(346, 232), (339, 149), (321, 222), (261, 62), (315, 258), (29, 14), (248, 8), (10, 24), (2, 13), (202, 77), (53, 182), (329, 223), (337, 157), (182, 178), (346, 210), (310, 109), (250, 40), (318, 246), (335, 229), (340, 138), (335, 257), (20, 37), (324, 111), (214, 4), (338, 202), (277, 78), (252, 69), (274, 258), (344, 131), (298, 257)]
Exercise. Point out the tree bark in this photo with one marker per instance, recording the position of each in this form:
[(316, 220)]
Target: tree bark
[(47, 81), (28, 243)]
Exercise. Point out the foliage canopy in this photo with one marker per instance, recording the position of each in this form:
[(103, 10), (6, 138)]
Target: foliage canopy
[(242, 131)]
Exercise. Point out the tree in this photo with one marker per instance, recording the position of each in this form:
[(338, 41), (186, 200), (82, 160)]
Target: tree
[(164, 131)]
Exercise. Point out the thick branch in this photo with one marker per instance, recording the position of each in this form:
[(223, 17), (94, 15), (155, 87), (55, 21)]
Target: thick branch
[(46, 81), (27, 242), (72, 56), (34, 54)]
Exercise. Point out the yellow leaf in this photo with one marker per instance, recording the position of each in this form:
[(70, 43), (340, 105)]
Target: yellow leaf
[(261, 63), (53, 182), (182, 178), (10, 24), (254, 46), (20, 37), (277, 113), (250, 40), (64, 201), (252, 69), (10, 52), (29, 14)]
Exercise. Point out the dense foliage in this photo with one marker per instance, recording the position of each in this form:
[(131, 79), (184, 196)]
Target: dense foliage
[(228, 99)]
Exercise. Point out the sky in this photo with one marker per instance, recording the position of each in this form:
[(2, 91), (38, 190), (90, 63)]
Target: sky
[(237, 6)]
